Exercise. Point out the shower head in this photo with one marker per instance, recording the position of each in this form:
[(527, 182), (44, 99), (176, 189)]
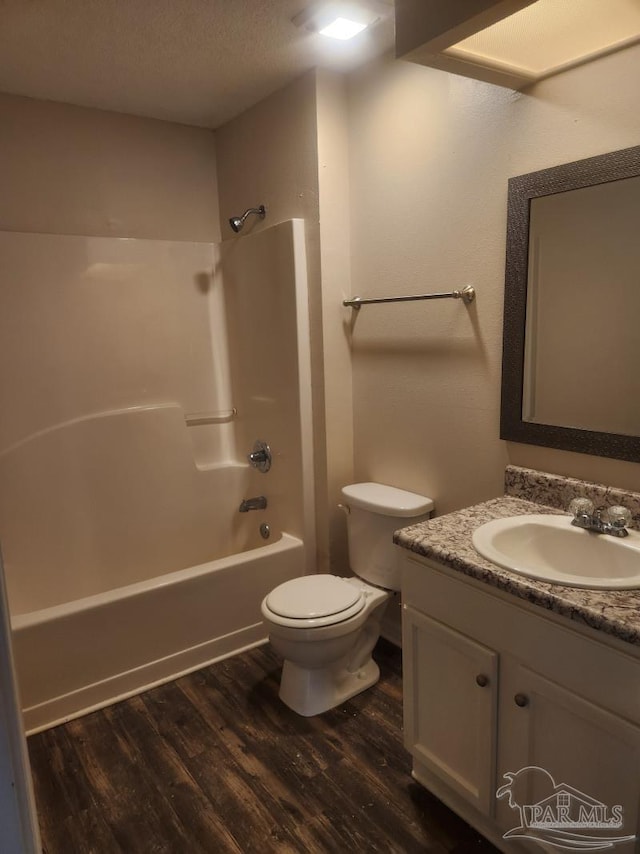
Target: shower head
[(236, 222)]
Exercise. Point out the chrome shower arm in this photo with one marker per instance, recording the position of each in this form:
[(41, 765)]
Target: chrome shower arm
[(237, 222)]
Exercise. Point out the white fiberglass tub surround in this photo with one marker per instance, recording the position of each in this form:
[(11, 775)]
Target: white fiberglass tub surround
[(85, 654), (150, 370)]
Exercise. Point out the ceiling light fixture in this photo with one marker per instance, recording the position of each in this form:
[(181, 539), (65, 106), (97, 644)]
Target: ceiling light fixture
[(342, 20), (343, 29)]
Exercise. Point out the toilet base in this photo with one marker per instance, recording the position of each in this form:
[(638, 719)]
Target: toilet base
[(313, 691)]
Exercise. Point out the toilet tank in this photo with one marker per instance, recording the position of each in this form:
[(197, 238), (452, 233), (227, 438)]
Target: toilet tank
[(375, 511)]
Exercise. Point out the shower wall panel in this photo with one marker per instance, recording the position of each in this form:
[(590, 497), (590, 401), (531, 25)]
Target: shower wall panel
[(265, 287), (105, 345), (92, 324)]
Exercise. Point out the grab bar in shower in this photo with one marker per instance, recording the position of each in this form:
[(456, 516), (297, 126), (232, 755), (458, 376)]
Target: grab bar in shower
[(141, 410), (195, 419), (467, 295)]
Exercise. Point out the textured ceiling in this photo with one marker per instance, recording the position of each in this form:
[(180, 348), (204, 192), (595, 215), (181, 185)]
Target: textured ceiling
[(199, 62)]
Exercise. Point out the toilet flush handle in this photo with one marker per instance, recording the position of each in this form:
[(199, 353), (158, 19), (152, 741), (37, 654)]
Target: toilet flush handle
[(345, 508)]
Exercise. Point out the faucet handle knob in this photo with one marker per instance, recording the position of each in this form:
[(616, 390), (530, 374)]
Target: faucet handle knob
[(581, 507), (260, 456), (619, 516)]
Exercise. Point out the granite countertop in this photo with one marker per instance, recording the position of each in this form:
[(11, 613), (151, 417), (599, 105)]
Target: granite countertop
[(447, 540)]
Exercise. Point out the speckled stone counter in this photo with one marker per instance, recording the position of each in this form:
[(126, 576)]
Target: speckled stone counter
[(447, 540)]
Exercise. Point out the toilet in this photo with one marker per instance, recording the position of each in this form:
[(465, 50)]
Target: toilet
[(324, 626)]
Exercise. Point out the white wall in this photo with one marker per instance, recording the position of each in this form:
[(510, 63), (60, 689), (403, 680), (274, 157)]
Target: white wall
[(430, 156), (73, 170)]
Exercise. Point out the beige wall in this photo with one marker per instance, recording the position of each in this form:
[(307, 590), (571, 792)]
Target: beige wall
[(72, 170), (269, 155), (430, 155), (333, 183)]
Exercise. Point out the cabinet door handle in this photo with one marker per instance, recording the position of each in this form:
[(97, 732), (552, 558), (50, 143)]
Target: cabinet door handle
[(521, 700), (482, 680)]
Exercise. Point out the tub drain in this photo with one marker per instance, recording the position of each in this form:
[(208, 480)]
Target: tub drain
[(265, 531)]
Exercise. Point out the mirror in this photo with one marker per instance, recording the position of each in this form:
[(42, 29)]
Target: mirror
[(571, 347)]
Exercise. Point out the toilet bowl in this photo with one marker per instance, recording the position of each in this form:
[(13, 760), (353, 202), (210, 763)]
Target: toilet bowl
[(324, 626)]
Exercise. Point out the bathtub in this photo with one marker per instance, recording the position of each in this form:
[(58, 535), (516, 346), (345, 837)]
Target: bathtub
[(85, 654), (123, 456)]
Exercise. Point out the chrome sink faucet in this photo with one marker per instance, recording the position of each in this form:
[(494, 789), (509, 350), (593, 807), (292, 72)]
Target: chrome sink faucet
[(613, 521)]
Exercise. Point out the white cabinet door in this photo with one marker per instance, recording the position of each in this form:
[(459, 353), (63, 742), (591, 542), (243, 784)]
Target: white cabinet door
[(450, 690), (590, 755)]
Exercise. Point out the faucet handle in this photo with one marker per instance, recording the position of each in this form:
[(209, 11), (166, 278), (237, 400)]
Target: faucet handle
[(619, 517), (260, 456), (581, 507)]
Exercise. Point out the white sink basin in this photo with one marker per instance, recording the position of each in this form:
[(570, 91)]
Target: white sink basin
[(550, 548)]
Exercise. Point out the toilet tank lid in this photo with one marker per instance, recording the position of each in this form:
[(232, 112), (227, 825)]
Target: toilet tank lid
[(386, 500)]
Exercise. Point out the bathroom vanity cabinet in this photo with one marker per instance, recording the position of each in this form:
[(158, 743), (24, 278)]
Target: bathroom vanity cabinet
[(493, 684)]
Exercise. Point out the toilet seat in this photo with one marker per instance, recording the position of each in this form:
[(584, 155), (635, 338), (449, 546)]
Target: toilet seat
[(313, 600)]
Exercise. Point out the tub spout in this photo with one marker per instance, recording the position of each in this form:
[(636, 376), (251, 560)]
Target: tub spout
[(258, 503)]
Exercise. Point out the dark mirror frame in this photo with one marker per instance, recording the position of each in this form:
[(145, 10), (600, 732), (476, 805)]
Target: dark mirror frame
[(602, 169)]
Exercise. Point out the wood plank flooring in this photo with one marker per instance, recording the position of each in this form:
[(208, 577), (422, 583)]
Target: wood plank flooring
[(215, 763)]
